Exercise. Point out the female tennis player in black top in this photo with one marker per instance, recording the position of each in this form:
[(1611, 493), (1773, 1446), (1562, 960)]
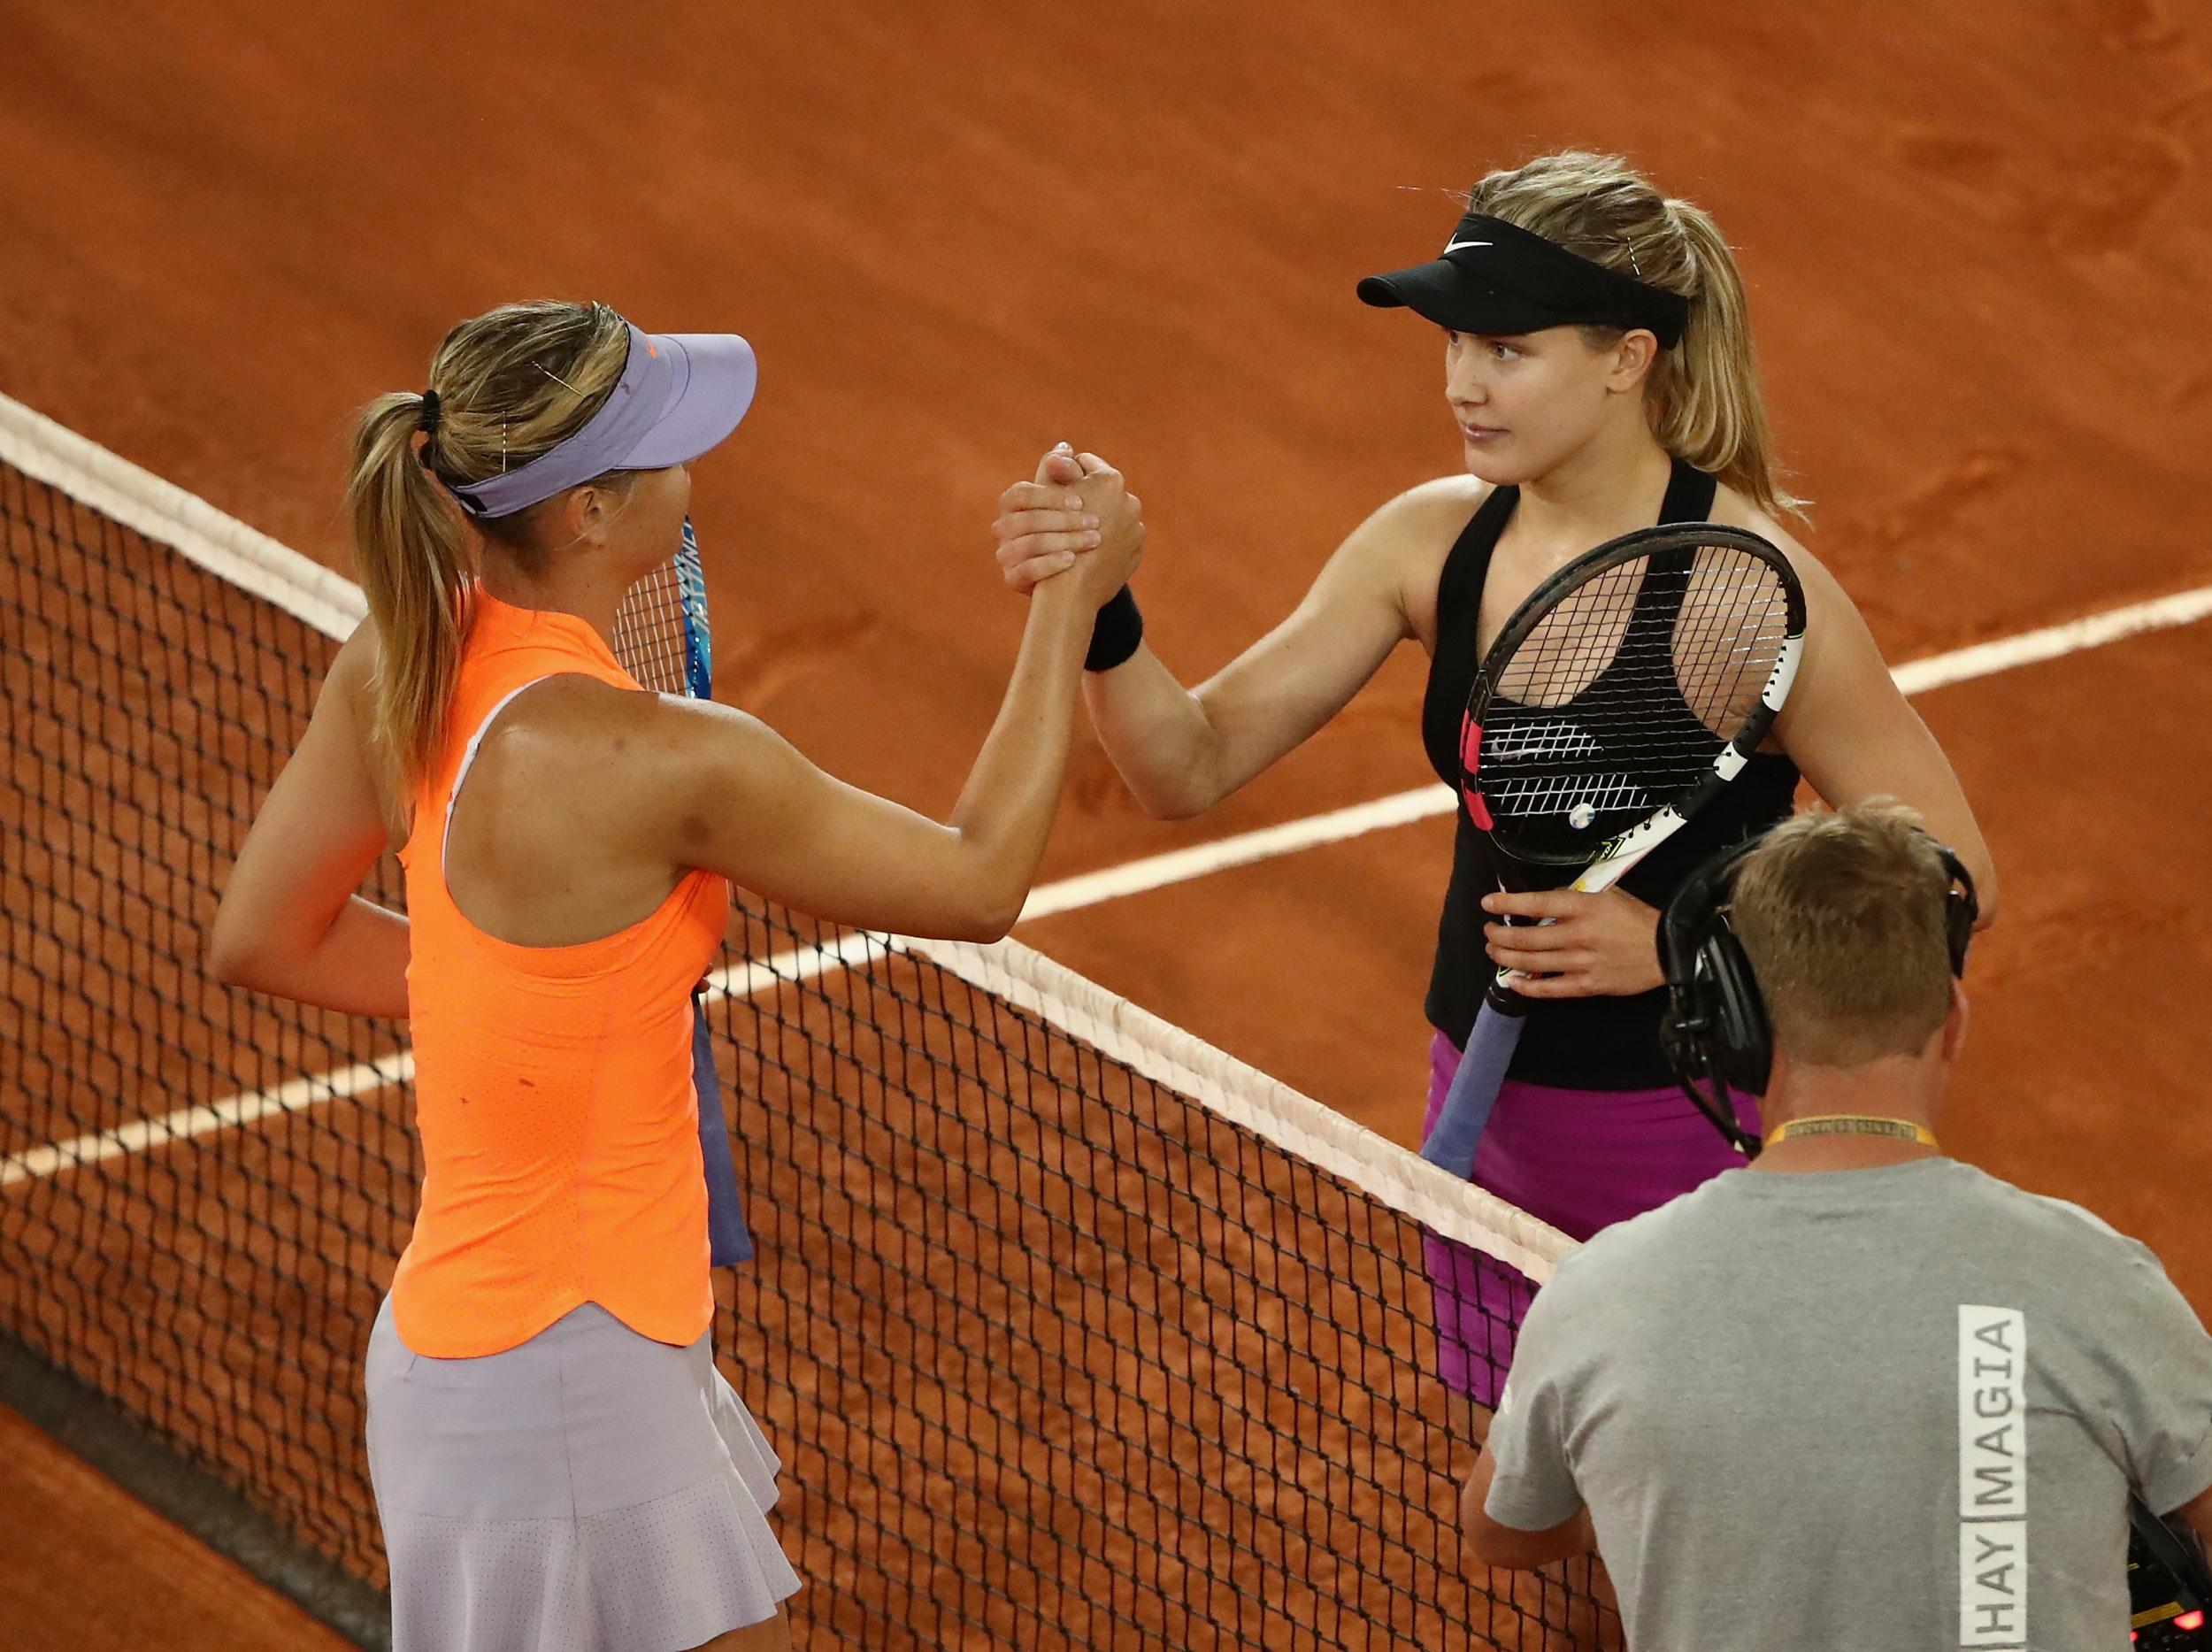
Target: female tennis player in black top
[(1599, 364)]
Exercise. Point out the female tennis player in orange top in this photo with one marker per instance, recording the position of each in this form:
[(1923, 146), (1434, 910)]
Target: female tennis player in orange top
[(558, 1465)]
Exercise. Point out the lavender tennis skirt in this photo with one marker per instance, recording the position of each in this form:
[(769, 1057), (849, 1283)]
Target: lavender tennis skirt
[(590, 1491), (1578, 1159)]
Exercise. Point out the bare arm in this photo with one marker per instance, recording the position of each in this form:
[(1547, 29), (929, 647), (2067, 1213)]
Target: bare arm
[(1855, 736), (290, 922), (743, 802), (724, 792), (1181, 750), (1488, 1543)]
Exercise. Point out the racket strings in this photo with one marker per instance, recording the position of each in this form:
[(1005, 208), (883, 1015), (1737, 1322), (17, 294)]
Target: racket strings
[(648, 631), (1729, 635), (1622, 695), (1712, 634)]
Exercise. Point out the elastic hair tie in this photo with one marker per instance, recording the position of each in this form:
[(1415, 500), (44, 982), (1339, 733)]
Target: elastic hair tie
[(432, 414)]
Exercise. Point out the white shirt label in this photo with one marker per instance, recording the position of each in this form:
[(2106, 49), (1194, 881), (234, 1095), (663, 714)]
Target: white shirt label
[(1993, 1476)]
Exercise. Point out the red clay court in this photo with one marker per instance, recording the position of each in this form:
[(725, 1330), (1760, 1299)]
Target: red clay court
[(1976, 241)]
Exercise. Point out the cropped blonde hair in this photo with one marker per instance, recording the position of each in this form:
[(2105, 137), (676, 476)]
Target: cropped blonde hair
[(1702, 397), (511, 385), (1842, 918)]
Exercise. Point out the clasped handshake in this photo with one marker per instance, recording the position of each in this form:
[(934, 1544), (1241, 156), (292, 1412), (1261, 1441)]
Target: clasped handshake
[(1077, 509)]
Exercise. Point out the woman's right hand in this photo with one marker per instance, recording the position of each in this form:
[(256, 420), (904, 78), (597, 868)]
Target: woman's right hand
[(1078, 510)]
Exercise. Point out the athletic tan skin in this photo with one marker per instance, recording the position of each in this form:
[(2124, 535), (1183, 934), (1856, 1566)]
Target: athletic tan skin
[(1565, 421)]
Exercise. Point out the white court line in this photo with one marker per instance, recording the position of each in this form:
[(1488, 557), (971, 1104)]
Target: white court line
[(186, 1122), (2071, 636), (1095, 888), (362, 1078), (1154, 871)]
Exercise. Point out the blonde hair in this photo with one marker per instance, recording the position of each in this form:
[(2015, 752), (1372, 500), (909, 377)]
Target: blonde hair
[(1842, 918), (511, 385), (1702, 397)]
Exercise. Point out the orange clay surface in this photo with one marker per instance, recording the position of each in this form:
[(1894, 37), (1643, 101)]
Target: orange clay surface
[(88, 1566), (1976, 238)]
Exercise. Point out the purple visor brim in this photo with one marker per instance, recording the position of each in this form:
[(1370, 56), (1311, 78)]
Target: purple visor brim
[(681, 394)]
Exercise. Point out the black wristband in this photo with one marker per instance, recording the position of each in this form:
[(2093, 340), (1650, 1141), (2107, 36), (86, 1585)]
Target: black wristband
[(1115, 632)]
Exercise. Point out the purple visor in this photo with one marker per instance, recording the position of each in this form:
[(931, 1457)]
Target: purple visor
[(681, 394)]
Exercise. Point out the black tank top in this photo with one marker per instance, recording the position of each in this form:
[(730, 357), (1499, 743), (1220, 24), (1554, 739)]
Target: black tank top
[(1575, 1043)]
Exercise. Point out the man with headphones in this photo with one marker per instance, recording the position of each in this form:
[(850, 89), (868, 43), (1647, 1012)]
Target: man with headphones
[(1858, 1395)]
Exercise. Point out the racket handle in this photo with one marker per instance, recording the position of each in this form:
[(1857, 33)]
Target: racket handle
[(1501, 998), (1460, 1122), (1605, 873), (729, 1241), (1595, 879)]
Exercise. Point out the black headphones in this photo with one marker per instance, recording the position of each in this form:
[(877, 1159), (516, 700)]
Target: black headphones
[(1716, 1031), (1716, 1036)]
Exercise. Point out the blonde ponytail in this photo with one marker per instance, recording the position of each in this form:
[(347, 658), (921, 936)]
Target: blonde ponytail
[(1703, 397), (1707, 404), (412, 555), (511, 384)]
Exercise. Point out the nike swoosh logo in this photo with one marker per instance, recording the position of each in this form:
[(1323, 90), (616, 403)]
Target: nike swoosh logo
[(1457, 245)]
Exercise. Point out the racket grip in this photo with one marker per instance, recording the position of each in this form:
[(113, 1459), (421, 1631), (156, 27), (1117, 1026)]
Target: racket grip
[(1595, 879), (1501, 997), (1460, 1122)]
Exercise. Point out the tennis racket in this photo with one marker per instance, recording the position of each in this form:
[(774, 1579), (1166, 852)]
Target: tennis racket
[(661, 639), (1619, 699)]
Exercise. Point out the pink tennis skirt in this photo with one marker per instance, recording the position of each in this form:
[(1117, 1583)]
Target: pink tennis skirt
[(1578, 1159), (589, 1491)]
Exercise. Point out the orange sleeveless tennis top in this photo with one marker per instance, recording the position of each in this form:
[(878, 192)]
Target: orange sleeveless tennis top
[(554, 1087)]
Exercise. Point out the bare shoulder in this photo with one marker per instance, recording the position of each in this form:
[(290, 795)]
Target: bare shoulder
[(347, 703), (1843, 672), (345, 720), (1735, 510), (352, 672), (1406, 540), (596, 728), (631, 749), (1425, 514)]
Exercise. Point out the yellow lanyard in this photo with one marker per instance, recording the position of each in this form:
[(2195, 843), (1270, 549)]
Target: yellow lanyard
[(1854, 1124)]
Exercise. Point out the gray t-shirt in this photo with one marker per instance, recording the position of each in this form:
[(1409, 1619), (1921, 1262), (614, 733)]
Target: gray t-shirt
[(1871, 1408)]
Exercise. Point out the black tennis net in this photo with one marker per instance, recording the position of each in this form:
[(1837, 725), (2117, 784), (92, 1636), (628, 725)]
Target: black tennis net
[(1071, 1330)]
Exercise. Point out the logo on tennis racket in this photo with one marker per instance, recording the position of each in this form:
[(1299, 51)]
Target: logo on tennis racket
[(1537, 743)]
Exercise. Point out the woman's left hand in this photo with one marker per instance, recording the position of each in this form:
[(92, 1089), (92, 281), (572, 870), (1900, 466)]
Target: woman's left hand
[(1596, 946)]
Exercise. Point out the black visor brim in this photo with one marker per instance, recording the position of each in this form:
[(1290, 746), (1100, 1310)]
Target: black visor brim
[(1441, 292)]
